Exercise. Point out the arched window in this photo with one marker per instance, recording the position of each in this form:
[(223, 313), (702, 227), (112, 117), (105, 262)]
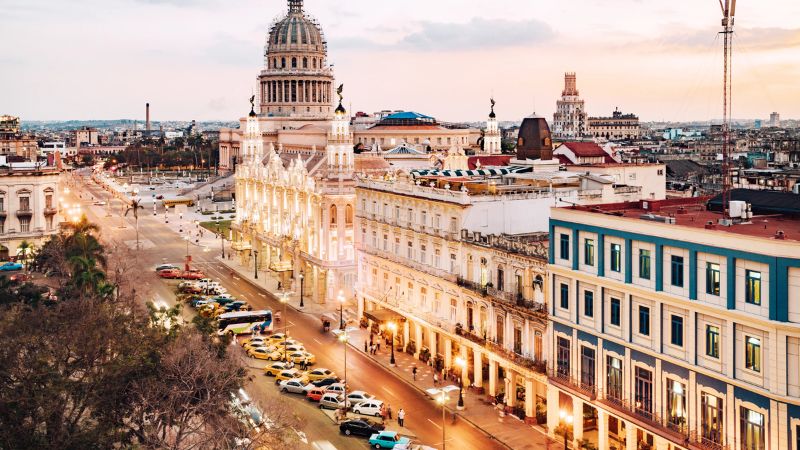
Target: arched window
[(349, 215), (305, 63), (283, 63), (294, 63), (275, 63), (314, 62), (333, 214)]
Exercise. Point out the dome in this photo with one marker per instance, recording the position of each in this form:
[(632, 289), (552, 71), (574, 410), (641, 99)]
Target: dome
[(296, 32)]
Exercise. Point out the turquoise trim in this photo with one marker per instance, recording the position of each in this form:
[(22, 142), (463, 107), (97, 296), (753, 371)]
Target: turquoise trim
[(731, 282), (659, 267), (552, 244), (773, 293), (693, 274), (575, 249), (628, 261), (601, 255)]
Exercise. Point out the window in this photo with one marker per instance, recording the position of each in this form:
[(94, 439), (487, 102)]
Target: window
[(397, 246), (616, 312), (385, 242), (410, 250), (437, 302), (588, 252), (501, 279), (564, 241), (614, 378), (397, 213), (644, 264), (423, 220), (423, 254), (375, 239), (588, 303), (24, 203), (24, 224), (711, 419), (410, 215), (643, 394), (48, 201), (562, 360), (587, 367), (676, 406), (453, 225), (752, 354), (437, 222), (616, 258), (453, 263), (453, 309), (752, 290), (564, 296), (712, 279), (677, 271), (644, 320), (712, 341), (676, 328), (437, 258), (423, 298), (752, 429)]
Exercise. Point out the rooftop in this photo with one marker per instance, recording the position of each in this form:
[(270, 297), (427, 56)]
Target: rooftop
[(695, 213)]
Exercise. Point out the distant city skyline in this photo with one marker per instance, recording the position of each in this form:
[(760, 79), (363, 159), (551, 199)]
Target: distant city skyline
[(198, 59)]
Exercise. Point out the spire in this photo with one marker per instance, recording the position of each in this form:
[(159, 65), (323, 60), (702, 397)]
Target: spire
[(295, 6), (492, 114), (340, 109), (252, 106)]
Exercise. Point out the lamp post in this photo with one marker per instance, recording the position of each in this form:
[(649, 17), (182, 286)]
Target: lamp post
[(461, 363), (565, 421), (302, 279), (284, 300), (344, 336), (393, 328), (221, 238), (341, 310), (255, 258), (441, 398)]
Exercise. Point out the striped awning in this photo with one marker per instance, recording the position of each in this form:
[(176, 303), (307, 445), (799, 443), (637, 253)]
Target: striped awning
[(470, 173)]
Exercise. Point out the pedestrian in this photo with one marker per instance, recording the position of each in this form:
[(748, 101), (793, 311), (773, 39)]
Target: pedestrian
[(435, 378), (401, 417), (365, 346), (389, 411), (371, 349), (377, 347), (414, 373), (383, 412)]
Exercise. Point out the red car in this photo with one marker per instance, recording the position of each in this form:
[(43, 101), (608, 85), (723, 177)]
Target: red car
[(315, 394), (170, 274), (192, 275)]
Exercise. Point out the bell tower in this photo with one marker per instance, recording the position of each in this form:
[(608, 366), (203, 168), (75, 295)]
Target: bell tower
[(340, 140), (492, 141)]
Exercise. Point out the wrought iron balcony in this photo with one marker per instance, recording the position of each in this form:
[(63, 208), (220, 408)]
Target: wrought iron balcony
[(24, 212), (473, 286), (699, 442)]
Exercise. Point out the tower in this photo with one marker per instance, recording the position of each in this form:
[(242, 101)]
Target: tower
[(340, 141), (492, 141), (569, 120), (147, 117), (253, 143)]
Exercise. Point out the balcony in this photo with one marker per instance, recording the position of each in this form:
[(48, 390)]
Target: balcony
[(672, 428), (698, 442), (443, 274), (50, 211), (24, 212), (538, 366), (473, 286), (571, 384), (3, 214)]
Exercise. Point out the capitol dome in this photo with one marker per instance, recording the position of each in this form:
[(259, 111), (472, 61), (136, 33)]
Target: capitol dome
[(296, 80)]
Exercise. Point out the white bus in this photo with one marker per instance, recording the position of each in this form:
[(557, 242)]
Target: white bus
[(244, 322)]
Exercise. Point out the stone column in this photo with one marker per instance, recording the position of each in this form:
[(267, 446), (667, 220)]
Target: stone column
[(406, 334), (492, 377), (448, 352), (418, 337), (602, 429), (553, 410), (530, 399), (477, 368), (577, 419), (464, 370), (511, 388), (432, 339), (630, 436)]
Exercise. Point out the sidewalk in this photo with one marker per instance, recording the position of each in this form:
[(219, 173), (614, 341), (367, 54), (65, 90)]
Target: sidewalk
[(508, 430)]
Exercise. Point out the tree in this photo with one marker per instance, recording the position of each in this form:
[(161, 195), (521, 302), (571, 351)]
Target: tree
[(24, 250)]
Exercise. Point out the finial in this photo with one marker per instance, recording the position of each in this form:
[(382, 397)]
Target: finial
[(295, 5), (252, 105), (340, 108), (492, 114)]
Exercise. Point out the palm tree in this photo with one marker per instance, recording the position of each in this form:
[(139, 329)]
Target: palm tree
[(24, 248), (135, 206), (85, 246), (86, 276)]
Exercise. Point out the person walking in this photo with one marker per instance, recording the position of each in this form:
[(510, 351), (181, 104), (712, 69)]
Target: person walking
[(389, 411), (401, 417), (365, 346), (414, 373), (383, 412), (435, 378)]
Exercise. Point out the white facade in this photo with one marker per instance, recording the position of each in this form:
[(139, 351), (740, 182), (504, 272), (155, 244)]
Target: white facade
[(29, 207), (569, 120)]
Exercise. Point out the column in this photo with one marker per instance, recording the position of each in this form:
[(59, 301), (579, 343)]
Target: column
[(630, 436), (577, 419), (465, 369), (448, 352), (432, 339), (602, 429), (661, 443), (552, 411), (511, 388), (406, 334), (418, 338), (477, 368), (530, 399), (493, 378)]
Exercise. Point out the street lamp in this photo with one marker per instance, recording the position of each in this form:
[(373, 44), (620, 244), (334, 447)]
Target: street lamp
[(344, 335), (565, 421), (393, 328), (302, 279), (284, 300), (461, 363), (341, 310), (221, 238), (255, 256), (441, 398)]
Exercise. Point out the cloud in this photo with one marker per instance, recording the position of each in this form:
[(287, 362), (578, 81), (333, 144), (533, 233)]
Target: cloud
[(180, 3), (758, 39), (478, 33)]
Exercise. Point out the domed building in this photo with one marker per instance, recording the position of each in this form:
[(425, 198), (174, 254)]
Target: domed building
[(293, 161)]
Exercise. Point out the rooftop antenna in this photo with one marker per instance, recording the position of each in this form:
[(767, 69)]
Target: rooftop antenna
[(728, 12)]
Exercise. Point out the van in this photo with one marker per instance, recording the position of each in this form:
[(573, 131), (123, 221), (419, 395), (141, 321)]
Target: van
[(331, 401)]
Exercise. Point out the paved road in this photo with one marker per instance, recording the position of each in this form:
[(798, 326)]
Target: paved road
[(423, 417)]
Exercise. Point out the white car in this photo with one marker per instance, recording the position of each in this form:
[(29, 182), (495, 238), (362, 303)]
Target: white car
[(336, 388), (357, 397), (369, 408), (295, 386)]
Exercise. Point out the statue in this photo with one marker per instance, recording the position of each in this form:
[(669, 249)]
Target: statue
[(493, 103), (339, 92), (252, 105)]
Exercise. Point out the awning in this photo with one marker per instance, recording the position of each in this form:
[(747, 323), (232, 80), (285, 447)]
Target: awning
[(384, 315), (471, 173)]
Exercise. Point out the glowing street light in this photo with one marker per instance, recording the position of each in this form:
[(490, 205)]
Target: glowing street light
[(565, 420), (393, 328), (462, 364)]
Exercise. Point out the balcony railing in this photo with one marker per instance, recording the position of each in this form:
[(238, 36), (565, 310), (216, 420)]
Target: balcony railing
[(558, 377), (24, 212), (443, 274), (539, 366), (473, 286), (673, 428), (698, 442), (50, 211)]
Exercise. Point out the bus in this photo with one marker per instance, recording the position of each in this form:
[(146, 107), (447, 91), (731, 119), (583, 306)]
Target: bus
[(243, 322)]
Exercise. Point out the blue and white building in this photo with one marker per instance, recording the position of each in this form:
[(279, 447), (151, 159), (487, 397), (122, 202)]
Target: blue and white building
[(668, 331)]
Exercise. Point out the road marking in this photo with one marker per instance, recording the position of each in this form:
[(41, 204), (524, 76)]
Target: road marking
[(387, 390), (263, 295), (435, 424), (315, 340)]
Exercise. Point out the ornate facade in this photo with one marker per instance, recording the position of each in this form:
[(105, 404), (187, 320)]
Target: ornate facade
[(569, 120), (492, 140), (294, 166)]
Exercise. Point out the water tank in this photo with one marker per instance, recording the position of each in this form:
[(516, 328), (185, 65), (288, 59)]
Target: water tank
[(737, 208)]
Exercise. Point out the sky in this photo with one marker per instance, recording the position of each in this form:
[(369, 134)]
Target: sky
[(198, 59)]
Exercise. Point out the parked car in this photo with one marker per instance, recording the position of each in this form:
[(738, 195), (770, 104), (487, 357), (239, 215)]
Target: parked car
[(320, 373), (261, 353), (20, 277), (300, 356), (166, 266), (10, 266), (277, 367), (331, 400), (191, 275), (357, 397), (170, 274), (238, 306), (325, 382), (295, 386), (369, 408), (387, 439), (290, 374), (314, 394), (336, 388), (360, 427)]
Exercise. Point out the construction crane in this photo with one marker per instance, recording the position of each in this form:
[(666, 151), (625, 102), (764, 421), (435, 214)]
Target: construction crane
[(728, 12)]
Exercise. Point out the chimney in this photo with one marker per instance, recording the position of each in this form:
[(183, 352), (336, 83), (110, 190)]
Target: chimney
[(147, 117)]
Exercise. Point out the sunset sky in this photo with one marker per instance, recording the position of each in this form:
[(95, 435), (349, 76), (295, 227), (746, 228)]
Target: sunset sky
[(198, 59)]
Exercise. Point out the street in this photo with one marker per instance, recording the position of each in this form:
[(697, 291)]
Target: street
[(161, 245)]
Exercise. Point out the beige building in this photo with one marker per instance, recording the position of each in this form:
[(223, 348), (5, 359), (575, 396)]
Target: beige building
[(617, 127), (423, 132), (29, 200), (13, 142), (86, 136)]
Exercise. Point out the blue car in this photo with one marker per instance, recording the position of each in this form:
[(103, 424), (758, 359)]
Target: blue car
[(387, 439), (9, 266)]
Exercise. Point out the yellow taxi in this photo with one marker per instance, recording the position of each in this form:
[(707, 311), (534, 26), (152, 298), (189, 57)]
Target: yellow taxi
[(275, 368), (299, 357), (320, 374), (291, 374), (261, 353)]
